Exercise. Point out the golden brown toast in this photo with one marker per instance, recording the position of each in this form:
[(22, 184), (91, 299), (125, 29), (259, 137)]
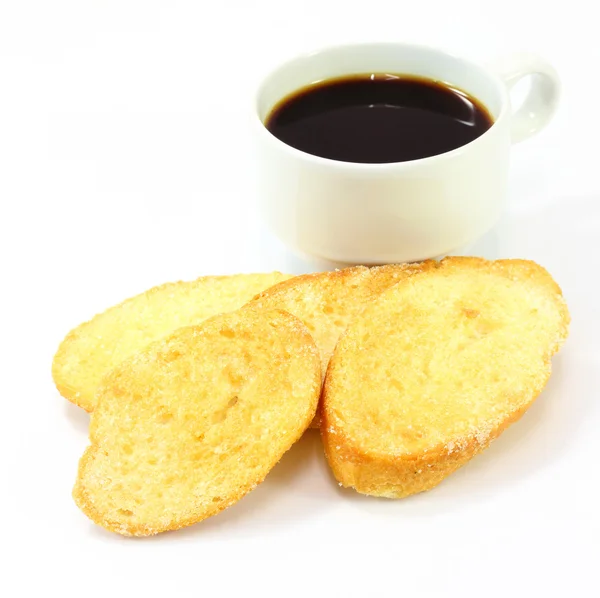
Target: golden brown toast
[(95, 347), (188, 426), (327, 301), (435, 368)]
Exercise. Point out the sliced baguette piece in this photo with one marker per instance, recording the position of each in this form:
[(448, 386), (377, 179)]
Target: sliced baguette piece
[(435, 368), (188, 426), (95, 347), (327, 301)]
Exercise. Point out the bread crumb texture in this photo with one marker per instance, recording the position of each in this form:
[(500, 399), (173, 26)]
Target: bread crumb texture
[(95, 347), (328, 301), (437, 367), (192, 423)]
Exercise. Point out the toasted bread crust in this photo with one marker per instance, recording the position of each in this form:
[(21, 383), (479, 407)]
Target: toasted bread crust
[(94, 347), (159, 415), (394, 473)]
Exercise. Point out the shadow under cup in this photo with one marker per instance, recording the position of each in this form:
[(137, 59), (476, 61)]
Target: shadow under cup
[(347, 212)]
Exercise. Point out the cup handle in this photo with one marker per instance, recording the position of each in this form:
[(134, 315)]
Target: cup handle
[(540, 103)]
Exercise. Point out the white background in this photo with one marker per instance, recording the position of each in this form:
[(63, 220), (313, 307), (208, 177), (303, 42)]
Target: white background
[(125, 161)]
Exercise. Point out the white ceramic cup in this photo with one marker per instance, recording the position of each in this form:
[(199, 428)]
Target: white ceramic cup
[(403, 211)]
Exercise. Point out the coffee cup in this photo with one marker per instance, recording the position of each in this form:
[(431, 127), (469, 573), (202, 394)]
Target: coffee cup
[(375, 213)]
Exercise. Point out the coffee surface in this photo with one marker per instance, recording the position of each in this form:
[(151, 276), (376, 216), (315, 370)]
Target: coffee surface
[(378, 118)]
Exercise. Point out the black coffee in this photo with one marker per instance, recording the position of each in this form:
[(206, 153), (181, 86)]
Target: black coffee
[(377, 118)]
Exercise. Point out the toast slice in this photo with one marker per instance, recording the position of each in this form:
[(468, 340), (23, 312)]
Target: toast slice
[(435, 368), (327, 301), (95, 347), (188, 426)]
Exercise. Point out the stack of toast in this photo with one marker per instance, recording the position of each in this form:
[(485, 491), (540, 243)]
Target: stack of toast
[(198, 388)]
